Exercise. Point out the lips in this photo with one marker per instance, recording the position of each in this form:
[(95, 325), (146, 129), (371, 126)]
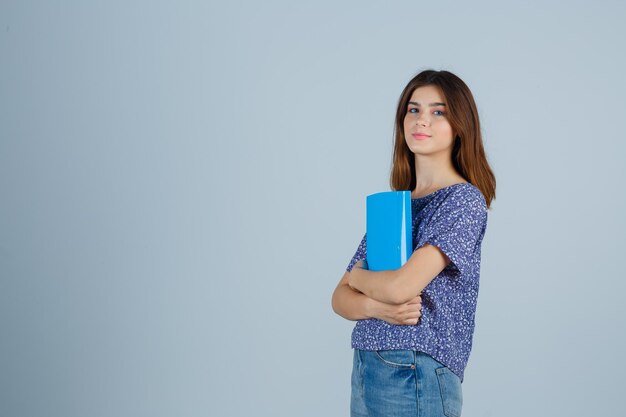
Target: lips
[(420, 135)]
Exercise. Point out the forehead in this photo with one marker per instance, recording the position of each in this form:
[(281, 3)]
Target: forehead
[(427, 94)]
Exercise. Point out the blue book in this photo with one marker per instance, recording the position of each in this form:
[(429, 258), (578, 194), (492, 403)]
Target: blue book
[(389, 230)]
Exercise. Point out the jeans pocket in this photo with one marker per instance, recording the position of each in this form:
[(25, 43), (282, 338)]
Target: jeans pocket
[(396, 358), (451, 392)]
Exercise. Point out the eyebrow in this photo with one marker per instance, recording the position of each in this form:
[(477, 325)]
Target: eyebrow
[(430, 105)]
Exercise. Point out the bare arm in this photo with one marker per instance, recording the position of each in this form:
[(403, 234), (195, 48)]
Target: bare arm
[(354, 305), (400, 285)]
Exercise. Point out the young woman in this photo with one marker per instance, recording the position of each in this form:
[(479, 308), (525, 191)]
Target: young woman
[(414, 327)]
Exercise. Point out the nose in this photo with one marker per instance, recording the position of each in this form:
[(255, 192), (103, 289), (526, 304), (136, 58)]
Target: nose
[(421, 120)]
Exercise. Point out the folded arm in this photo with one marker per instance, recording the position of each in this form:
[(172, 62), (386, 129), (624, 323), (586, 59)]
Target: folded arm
[(400, 285), (354, 305)]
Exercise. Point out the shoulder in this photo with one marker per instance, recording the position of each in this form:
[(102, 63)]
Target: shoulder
[(463, 195), (463, 200)]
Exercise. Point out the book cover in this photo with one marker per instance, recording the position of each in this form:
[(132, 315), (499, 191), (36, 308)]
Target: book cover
[(389, 242)]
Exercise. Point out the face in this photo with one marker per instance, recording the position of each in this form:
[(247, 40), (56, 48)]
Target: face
[(426, 127)]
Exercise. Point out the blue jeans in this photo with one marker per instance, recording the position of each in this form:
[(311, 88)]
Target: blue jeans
[(398, 383)]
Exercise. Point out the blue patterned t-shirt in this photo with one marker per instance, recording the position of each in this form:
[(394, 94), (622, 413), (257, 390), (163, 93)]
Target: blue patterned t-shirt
[(454, 219)]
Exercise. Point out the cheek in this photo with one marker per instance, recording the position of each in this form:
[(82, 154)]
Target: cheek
[(407, 122), (444, 128)]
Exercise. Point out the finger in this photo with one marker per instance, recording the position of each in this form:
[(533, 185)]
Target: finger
[(414, 307), (412, 320), (413, 312)]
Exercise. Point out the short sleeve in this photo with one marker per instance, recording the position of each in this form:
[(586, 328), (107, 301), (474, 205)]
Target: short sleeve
[(359, 255), (457, 228)]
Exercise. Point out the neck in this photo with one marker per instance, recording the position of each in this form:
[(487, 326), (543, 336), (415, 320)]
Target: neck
[(435, 171)]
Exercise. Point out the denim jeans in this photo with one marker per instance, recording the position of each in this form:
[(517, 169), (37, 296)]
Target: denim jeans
[(398, 383)]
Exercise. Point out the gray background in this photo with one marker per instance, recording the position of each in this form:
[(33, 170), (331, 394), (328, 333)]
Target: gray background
[(182, 186)]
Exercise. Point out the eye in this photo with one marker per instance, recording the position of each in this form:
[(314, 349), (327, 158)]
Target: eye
[(411, 110), (440, 111)]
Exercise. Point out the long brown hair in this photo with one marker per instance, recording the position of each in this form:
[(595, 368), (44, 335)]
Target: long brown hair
[(468, 153)]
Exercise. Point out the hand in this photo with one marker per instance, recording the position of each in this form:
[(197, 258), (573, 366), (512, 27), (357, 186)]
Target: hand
[(360, 265), (408, 313)]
